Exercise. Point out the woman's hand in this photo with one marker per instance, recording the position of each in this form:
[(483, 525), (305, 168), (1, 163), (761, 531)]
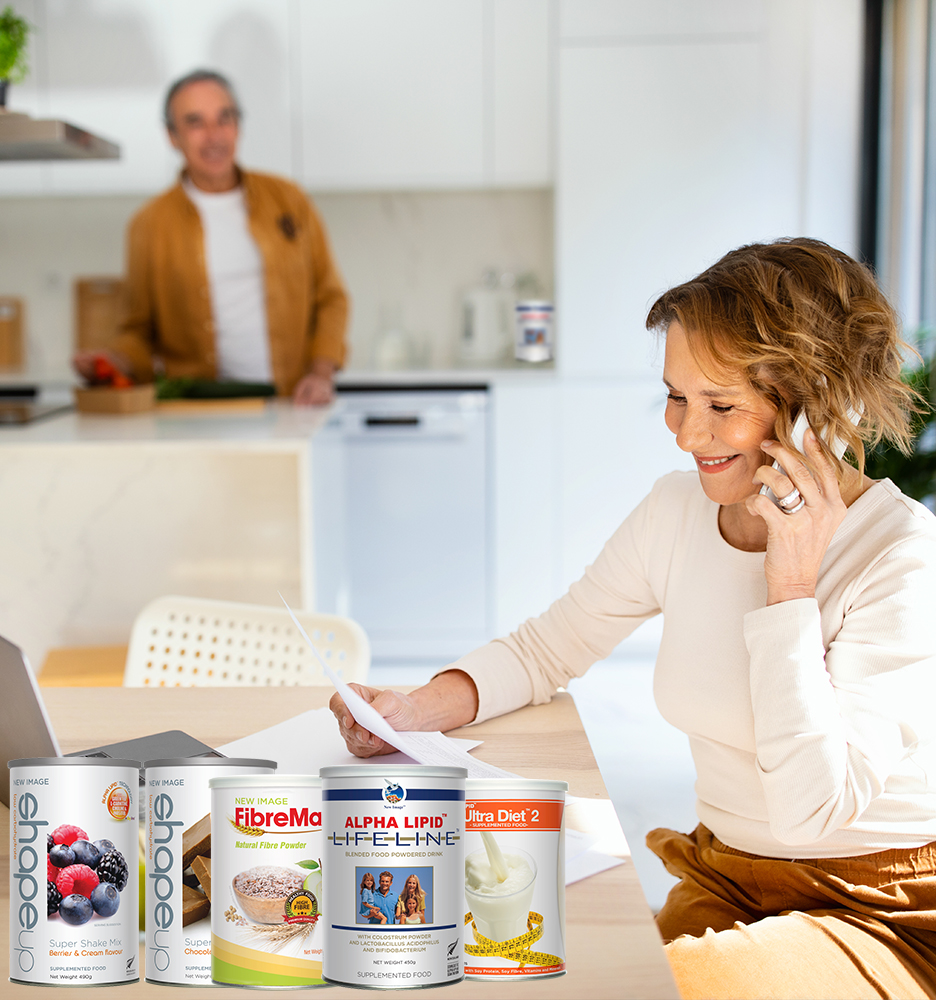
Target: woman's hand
[(448, 701), (797, 543)]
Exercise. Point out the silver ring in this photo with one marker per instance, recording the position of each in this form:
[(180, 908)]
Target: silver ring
[(790, 499), (793, 510)]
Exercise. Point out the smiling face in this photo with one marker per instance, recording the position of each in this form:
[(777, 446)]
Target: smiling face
[(411, 906), (204, 130), (385, 881), (411, 882), (368, 881), (721, 423)]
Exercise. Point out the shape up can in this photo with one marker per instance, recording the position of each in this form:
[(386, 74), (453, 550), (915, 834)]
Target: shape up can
[(266, 905), (534, 341), (515, 878), (394, 865), (83, 810), (177, 850)]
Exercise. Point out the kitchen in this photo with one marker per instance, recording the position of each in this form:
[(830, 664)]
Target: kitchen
[(440, 141)]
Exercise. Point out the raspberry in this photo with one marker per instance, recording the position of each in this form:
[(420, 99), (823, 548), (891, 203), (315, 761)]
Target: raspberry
[(76, 879), (113, 868), (68, 834)]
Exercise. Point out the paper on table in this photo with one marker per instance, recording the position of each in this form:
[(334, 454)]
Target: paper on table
[(588, 863), (424, 748), (308, 742)]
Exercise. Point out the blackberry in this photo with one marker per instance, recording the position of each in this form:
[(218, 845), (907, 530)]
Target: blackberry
[(113, 868), (53, 898), (50, 843)]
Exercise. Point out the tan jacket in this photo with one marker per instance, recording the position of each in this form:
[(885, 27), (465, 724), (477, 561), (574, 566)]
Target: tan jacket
[(167, 309)]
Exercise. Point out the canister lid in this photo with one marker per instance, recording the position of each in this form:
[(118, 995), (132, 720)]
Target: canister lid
[(73, 761), (210, 762), (521, 784), (392, 771), (266, 781)]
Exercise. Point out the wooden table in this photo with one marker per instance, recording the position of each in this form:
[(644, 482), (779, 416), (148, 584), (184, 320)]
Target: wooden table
[(613, 948)]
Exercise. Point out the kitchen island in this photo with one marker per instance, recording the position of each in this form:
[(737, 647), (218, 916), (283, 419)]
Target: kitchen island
[(101, 514)]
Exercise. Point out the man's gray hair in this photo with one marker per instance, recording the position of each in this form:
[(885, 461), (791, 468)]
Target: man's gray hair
[(197, 76)]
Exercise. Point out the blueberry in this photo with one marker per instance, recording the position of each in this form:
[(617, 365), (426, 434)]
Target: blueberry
[(76, 909), (86, 853), (62, 856), (104, 846), (105, 899)]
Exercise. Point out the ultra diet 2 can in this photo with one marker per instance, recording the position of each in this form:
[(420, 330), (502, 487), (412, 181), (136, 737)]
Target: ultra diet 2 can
[(266, 840), (515, 878), (394, 873), (83, 810), (177, 849)]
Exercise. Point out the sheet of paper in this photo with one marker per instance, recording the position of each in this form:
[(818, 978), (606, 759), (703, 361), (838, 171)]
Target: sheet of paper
[(424, 748), (576, 842), (307, 742), (589, 863)]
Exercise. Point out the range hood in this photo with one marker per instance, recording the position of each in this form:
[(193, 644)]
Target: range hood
[(25, 138)]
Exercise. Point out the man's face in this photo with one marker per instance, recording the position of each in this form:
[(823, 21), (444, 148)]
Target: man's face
[(385, 881), (204, 130)]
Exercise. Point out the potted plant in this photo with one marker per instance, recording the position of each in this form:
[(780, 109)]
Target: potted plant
[(14, 33)]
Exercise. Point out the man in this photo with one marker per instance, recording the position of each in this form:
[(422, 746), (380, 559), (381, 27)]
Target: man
[(229, 273), (384, 900)]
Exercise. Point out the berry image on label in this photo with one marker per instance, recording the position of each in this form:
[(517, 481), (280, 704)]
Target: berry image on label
[(105, 899), (76, 909), (62, 856), (68, 834), (76, 879), (113, 868)]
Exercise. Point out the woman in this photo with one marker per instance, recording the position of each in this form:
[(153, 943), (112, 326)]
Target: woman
[(798, 645), (411, 890)]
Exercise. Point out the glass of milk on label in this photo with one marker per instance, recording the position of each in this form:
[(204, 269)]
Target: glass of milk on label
[(500, 907)]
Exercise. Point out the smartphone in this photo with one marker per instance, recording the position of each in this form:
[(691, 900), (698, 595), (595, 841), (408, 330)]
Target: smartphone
[(797, 436)]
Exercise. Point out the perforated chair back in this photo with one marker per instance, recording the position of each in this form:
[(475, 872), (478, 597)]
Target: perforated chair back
[(192, 642)]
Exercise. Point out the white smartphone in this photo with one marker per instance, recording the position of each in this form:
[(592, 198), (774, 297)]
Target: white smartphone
[(797, 436)]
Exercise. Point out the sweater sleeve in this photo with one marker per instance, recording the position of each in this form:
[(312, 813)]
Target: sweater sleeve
[(137, 333), (330, 307), (612, 598), (832, 723)]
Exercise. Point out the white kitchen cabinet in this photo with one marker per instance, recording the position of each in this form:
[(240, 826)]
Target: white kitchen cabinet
[(392, 93), (675, 147)]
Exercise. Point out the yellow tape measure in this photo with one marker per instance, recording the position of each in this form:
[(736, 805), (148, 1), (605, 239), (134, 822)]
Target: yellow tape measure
[(515, 949)]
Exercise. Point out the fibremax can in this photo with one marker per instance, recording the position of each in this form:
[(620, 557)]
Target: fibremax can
[(83, 811), (514, 878), (266, 904), (177, 849), (394, 867)]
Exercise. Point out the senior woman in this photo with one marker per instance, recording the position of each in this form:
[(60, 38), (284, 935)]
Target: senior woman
[(798, 643)]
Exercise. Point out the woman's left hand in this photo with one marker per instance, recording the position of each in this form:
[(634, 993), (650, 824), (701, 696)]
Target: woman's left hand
[(797, 543)]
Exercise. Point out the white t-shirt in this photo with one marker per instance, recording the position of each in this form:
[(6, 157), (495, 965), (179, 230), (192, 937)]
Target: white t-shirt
[(235, 279), (811, 722)]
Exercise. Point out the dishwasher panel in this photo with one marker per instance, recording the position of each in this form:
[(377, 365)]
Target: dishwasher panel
[(407, 553)]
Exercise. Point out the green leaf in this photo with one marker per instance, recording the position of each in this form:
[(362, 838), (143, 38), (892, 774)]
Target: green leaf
[(312, 865)]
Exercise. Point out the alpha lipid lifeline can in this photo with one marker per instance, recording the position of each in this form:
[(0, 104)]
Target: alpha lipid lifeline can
[(177, 850), (514, 878), (83, 811), (266, 837), (394, 872)]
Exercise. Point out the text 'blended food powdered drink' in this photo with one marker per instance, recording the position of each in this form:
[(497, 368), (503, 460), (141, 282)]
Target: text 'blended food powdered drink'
[(266, 838), (177, 849), (394, 866), (515, 878), (83, 811)]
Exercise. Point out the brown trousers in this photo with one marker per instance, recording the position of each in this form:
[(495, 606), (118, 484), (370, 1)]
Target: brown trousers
[(740, 926)]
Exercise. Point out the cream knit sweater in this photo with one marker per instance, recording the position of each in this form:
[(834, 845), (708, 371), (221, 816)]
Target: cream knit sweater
[(812, 722)]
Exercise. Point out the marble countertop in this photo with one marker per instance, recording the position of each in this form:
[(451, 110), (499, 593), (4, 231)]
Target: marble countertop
[(276, 424), (515, 371)]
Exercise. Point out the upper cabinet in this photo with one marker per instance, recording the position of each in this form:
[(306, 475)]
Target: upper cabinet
[(338, 94)]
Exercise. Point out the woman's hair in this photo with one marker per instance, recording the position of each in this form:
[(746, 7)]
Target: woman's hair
[(809, 328), (367, 875), (417, 892)]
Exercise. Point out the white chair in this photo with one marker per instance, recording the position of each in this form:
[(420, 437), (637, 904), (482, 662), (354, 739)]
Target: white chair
[(190, 641)]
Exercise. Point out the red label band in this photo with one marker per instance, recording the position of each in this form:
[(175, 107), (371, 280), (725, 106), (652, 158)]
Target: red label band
[(513, 814)]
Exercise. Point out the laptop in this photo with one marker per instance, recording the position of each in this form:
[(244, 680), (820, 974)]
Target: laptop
[(26, 730)]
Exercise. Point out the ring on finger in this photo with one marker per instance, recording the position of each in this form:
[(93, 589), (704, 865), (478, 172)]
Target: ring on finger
[(790, 500), (793, 510)]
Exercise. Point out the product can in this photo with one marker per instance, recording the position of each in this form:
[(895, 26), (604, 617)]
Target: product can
[(177, 850), (534, 326), (266, 838), (394, 863), (83, 810), (515, 827)]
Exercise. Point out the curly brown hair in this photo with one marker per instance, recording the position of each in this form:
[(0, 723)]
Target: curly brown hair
[(809, 328)]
